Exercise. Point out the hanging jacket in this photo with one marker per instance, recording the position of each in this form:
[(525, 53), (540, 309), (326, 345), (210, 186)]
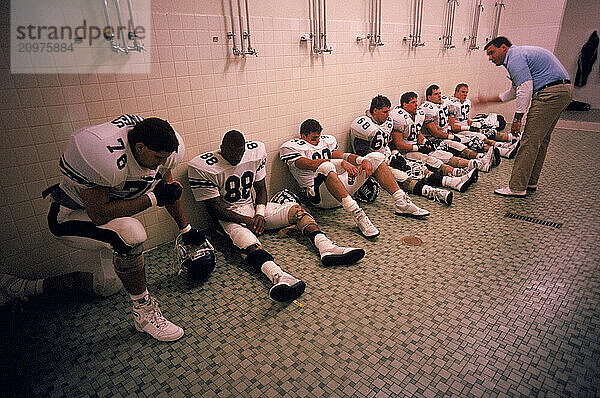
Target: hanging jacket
[(586, 60)]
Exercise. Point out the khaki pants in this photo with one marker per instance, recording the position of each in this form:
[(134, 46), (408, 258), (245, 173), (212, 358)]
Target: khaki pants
[(546, 107)]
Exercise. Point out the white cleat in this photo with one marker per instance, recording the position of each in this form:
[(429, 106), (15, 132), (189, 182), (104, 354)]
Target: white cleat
[(405, 207), (367, 229), (438, 194), (332, 255), (286, 287), (509, 151), (148, 318)]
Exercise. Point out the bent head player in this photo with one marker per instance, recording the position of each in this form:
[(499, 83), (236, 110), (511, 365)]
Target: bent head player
[(113, 171)]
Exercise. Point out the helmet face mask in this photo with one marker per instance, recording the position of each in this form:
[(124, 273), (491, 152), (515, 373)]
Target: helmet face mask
[(368, 192), (198, 261)]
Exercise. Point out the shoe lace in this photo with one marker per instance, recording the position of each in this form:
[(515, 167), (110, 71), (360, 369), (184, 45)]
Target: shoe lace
[(156, 317)]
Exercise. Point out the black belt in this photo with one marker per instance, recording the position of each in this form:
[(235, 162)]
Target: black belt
[(555, 83)]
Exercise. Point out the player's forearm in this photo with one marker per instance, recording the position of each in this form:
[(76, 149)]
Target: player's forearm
[(309, 164), (176, 211), (118, 208), (433, 130)]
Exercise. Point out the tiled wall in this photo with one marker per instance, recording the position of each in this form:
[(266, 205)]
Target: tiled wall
[(203, 91)]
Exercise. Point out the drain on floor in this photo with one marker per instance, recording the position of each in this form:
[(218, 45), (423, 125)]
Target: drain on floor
[(412, 241), (533, 220)]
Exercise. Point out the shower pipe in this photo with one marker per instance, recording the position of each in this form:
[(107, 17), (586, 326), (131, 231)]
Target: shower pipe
[(475, 26), (245, 44), (449, 24), (317, 12), (109, 33), (497, 13), (417, 24)]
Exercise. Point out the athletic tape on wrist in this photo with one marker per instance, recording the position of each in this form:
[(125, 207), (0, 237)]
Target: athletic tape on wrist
[(359, 160), (415, 148), (185, 229), (260, 210), (465, 128), (152, 197), (345, 156)]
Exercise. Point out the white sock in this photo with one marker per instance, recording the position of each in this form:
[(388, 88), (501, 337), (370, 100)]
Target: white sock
[(399, 195), (350, 204), (271, 270), (321, 241), (138, 297)]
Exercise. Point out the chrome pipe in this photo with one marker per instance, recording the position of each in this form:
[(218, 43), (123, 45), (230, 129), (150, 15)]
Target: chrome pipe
[(250, 50), (133, 35), (242, 46), (235, 49), (120, 19), (324, 48)]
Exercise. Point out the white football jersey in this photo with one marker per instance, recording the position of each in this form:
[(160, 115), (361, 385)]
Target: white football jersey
[(100, 156), (460, 110), (405, 124), (368, 136), (211, 176), (297, 148), (437, 113)]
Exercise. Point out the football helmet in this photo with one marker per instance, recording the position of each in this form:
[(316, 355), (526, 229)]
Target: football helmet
[(418, 170), (368, 191), (475, 144), (285, 196), (195, 255)]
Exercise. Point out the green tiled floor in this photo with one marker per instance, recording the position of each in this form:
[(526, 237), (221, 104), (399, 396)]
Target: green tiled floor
[(486, 306)]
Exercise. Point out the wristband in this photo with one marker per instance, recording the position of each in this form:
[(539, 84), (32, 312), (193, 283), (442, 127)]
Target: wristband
[(185, 229), (359, 160), (152, 197), (415, 148), (345, 156), (260, 210), (476, 124), (450, 136), (465, 128)]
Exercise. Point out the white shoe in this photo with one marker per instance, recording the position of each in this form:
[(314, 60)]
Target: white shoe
[(484, 163), (438, 194), (405, 207), (506, 191), (286, 287), (331, 254), (148, 318), (364, 224), (509, 151), (106, 281), (461, 184)]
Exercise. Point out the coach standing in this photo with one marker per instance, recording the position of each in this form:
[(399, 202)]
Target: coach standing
[(538, 77)]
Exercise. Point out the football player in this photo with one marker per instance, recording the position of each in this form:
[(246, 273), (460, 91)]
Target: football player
[(330, 177), (224, 179), (372, 133), (451, 150), (408, 140), (461, 125), (460, 108), (113, 171)]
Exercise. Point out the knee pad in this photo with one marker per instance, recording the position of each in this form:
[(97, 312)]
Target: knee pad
[(127, 264), (300, 217), (243, 238), (257, 258), (129, 229), (325, 168)]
